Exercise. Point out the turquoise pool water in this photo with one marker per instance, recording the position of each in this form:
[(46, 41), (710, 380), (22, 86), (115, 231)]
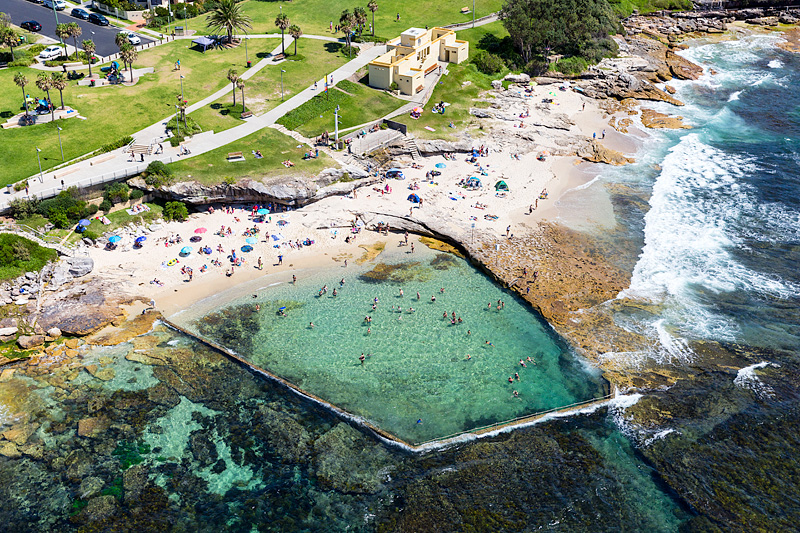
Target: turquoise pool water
[(422, 376)]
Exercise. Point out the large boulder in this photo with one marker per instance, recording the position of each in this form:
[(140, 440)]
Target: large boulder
[(518, 78), (435, 147), (79, 266), (100, 508), (54, 333), (597, 153), (26, 342), (7, 332)]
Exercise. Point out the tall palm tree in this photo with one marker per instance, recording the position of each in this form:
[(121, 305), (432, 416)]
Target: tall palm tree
[(121, 40), (372, 5), (282, 21), (360, 18), (62, 32), (228, 16), (89, 47), (232, 77), (128, 54), (346, 22), (75, 32), (22, 81), (240, 84), (44, 82), (59, 83), (8, 37), (295, 32)]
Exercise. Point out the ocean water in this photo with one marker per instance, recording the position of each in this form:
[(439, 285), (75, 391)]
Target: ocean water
[(423, 377)]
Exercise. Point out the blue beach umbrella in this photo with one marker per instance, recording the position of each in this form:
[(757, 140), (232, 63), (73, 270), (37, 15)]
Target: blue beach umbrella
[(114, 239), (441, 165), (263, 211), (141, 239), (186, 250), (251, 240), (84, 222), (247, 248)]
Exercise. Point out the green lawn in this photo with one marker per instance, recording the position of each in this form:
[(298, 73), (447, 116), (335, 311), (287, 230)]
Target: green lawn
[(111, 112), (358, 104), (212, 167), (19, 255)]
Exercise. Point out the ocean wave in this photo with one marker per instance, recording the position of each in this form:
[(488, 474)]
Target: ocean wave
[(734, 96), (746, 378), (775, 63)]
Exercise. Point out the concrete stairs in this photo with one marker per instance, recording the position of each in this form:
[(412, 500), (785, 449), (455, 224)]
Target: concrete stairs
[(413, 149)]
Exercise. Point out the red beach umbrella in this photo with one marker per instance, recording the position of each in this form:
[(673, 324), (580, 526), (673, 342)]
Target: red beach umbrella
[(200, 230)]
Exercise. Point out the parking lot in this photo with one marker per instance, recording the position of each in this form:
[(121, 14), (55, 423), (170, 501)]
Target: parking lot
[(103, 36)]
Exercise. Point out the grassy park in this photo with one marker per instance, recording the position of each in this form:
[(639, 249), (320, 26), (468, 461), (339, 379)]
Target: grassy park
[(213, 167)]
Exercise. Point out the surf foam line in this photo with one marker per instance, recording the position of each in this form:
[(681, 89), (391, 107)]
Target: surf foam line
[(588, 407)]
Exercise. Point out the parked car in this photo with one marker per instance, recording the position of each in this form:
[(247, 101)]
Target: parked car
[(36, 1), (80, 13), (97, 18), (58, 5), (31, 25), (51, 52), (132, 37)]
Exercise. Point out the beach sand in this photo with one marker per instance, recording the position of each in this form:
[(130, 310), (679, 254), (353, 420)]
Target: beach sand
[(443, 200)]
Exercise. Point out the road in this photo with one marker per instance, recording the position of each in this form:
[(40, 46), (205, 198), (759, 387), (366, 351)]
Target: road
[(103, 36)]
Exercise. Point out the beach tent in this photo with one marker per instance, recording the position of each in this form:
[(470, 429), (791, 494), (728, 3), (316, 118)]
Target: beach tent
[(205, 42), (186, 250), (500, 186), (474, 182), (413, 198)]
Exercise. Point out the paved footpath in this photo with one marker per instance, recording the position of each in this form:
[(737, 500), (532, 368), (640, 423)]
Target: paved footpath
[(116, 164)]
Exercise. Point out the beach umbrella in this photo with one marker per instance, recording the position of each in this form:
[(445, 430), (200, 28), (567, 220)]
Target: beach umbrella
[(282, 308), (114, 239), (186, 250), (282, 222), (84, 222), (441, 165), (247, 248), (141, 239), (251, 240), (263, 211), (417, 110), (200, 230)]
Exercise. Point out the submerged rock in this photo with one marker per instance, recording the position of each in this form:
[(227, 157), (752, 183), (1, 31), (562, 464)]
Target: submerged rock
[(348, 461), (100, 508)]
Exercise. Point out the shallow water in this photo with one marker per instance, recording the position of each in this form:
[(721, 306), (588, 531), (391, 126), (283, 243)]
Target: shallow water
[(423, 377)]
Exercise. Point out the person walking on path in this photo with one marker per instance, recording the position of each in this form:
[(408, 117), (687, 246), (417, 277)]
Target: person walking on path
[(280, 259)]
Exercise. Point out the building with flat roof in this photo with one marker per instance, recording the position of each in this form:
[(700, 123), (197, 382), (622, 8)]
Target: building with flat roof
[(413, 55)]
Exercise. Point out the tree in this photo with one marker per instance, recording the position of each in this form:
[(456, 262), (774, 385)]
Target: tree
[(74, 32), (295, 32), (346, 22), (62, 32), (59, 83), (176, 211), (128, 54), (8, 37), (240, 84), (282, 21), (232, 77), (373, 6), (360, 18), (22, 81), (5, 20), (44, 82), (121, 40), (89, 47), (228, 16)]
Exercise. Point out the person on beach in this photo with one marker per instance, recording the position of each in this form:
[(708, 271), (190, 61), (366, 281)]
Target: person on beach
[(260, 264), (406, 237), (412, 247), (508, 230), (341, 283), (294, 279), (280, 259)]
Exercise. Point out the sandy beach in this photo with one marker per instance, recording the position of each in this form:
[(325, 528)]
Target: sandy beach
[(532, 183)]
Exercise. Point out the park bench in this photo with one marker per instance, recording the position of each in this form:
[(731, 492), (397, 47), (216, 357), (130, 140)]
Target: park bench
[(279, 57), (247, 114), (419, 89), (235, 156), (3, 64)]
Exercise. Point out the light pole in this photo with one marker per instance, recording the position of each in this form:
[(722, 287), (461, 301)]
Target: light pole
[(282, 71), (246, 57), (182, 88), (59, 142), (473, 13), (41, 177), (336, 124), (177, 122), (185, 24)]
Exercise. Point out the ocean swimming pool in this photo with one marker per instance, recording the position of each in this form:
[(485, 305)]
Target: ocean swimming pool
[(422, 377)]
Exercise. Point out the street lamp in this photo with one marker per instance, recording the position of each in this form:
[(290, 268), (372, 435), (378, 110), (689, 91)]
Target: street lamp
[(473, 13), (246, 58), (182, 88), (177, 122), (59, 142), (336, 124), (41, 177), (282, 71)]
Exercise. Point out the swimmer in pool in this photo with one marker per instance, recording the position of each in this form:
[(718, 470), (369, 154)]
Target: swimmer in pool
[(489, 343), (418, 297)]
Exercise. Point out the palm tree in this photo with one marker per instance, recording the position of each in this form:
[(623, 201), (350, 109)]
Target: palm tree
[(373, 6), (75, 32), (228, 16), (282, 21), (59, 82), (360, 18), (128, 54), (121, 40), (295, 32), (22, 81), (44, 82), (8, 38), (240, 84), (232, 77), (346, 21), (62, 32), (89, 47)]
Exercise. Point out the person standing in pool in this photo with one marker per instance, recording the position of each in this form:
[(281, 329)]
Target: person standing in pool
[(362, 359), (401, 293), (294, 278), (418, 296)]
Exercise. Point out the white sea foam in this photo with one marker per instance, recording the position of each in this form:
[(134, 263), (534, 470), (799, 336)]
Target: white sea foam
[(658, 435), (734, 96), (746, 378), (775, 63)]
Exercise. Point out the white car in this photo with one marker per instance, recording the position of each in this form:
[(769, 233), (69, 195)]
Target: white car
[(132, 37), (51, 52)]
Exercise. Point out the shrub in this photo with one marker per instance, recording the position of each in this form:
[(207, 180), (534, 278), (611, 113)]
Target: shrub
[(157, 174), (136, 194), (117, 192), (394, 86), (488, 63), (23, 207), (20, 251), (59, 219), (161, 11), (176, 211), (176, 140), (19, 255), (20, 185), (106, 205), (536, 67), (63, 208), (89, 234), (571, 66), (119, 143), (189, 128), (91, 209)]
